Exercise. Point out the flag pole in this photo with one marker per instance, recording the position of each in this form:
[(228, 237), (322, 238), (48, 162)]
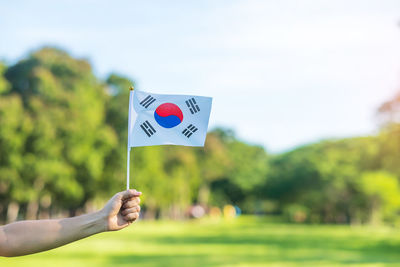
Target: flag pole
[(127, 171), (129, 147)]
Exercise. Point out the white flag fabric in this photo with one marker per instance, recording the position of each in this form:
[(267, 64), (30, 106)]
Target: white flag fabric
[(159, 119)]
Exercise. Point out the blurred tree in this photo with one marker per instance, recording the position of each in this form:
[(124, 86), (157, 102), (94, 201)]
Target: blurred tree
[(63, 146), (16, 126), (382, 193), (231, 171), (389, 137), (66, 148), (214, 162), (4, 85), (389, 111), (183, 179), (323, 177)]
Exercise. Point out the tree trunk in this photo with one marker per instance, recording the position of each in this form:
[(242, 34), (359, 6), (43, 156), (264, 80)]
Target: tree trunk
[(204, 195), (150, 214), (44, 214), (32, 210), (375, 213), (12, 212)]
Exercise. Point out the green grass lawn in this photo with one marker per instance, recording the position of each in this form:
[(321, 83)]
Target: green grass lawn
[(246, 241)]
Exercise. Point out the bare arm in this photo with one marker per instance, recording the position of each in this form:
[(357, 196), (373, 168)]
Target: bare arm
[(26, 237)]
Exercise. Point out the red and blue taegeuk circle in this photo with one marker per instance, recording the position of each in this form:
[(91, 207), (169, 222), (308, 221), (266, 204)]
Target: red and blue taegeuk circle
[(168, 115)]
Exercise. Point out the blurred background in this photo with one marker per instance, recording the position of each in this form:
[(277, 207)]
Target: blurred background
[(304, 132)]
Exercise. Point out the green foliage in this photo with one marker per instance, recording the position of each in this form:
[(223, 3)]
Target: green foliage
[(63, 143), (325, 178), (16, 127), (382, 193), (4, 85), (235, 169), (63, 148), (62, 152)]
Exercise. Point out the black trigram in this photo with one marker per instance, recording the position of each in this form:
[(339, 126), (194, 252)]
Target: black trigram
[(191, 129), (147, 128), (192, 105), (147, 101)]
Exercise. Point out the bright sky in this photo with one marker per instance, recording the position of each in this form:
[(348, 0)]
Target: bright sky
[(282, 73)]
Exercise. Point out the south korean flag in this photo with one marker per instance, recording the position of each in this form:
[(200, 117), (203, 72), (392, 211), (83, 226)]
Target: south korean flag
[(158, 119)]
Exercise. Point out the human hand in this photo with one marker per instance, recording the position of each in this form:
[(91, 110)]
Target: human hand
[(121, 210)]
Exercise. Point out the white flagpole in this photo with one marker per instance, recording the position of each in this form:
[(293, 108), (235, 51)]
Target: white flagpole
[(129, 145), (127, 169)]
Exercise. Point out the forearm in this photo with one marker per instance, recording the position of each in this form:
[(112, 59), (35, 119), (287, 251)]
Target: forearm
[(28, 237)]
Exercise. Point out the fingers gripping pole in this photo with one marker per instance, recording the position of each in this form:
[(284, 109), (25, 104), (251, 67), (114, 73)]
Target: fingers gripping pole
[(127, 168)]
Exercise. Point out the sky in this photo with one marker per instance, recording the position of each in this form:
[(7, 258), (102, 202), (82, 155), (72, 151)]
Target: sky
[(281, 73)]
